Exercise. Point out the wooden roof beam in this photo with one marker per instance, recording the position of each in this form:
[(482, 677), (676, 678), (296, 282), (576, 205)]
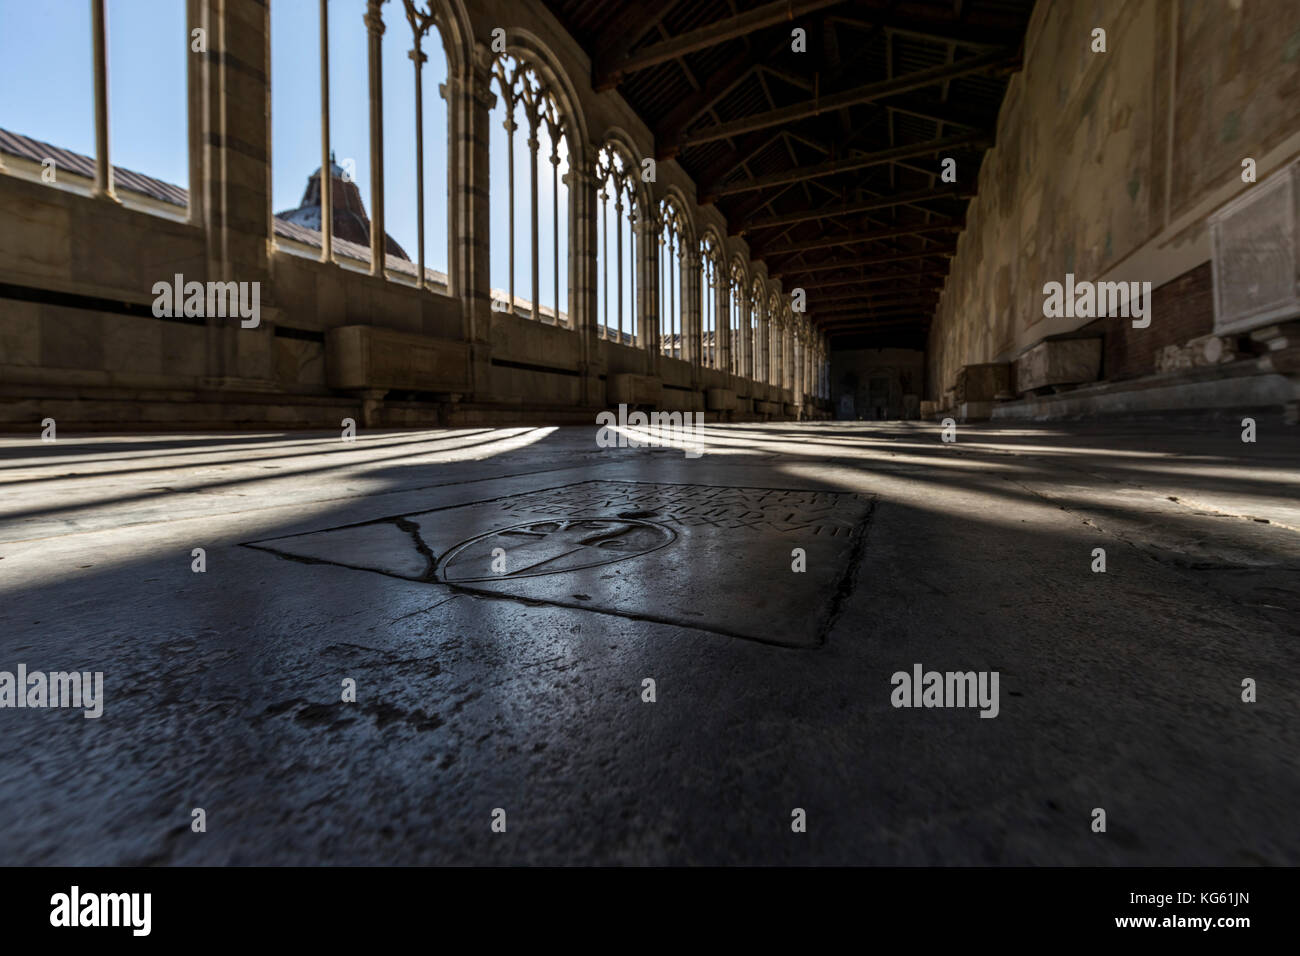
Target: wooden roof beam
[(853, 238), (850, 163), (709, 35), (998, 60), (854, 208), (864, 261)]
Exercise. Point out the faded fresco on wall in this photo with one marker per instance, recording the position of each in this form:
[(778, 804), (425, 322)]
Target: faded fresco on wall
[(1085, 145)]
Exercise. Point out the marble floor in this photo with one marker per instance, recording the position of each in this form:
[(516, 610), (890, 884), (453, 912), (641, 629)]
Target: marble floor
[(497, 606)]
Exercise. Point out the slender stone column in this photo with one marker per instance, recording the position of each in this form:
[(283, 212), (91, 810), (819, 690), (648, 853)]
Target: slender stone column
[(326, 167), (778, 375), (419, 59), (772, 350), (421, 22), (787, 363), (375, 28), (746, 366), (618, 258), (722, 327), (510, 192), (532, 224), (99, 42), (194, 67), (648, 291), (555, 230)]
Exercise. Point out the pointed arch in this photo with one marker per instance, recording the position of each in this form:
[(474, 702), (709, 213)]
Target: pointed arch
[(775, 329), (621, 210), (758, 328), (535, 144), (713, 287), (674, 236), (738, 317)]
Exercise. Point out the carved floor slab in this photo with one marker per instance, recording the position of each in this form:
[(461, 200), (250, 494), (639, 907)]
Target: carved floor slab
[(715, 558)]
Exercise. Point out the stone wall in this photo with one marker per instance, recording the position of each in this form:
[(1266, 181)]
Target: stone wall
[(876, 384), (1107, 166)]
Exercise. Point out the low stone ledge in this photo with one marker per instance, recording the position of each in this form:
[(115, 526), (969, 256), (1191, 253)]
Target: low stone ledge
[(722, 400), (628, 388), (369, 358)]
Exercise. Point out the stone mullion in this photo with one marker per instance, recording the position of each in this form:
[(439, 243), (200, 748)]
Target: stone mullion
[(746, 362), (375, 30), (774, 351), (99, 44), (774, 346), (194, 72), (804, 368), (532, 223), (618, 257), (800, 366), (555, 229), (796, 354), (418, 58), (785, 355), (780, 354), (722, 324), (510, 191), (602, 262), (788, 357), (326, 167)]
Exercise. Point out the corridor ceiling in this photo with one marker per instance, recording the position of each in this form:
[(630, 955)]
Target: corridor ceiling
[(827, 161)]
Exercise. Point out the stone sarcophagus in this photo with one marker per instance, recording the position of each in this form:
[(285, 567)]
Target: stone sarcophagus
[(1255, 247), (983, 383), (1059, 362), (365, 357)]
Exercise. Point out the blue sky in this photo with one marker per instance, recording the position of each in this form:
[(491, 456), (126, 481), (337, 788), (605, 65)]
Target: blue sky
[(48, 93), (47, 89), (295, 115)]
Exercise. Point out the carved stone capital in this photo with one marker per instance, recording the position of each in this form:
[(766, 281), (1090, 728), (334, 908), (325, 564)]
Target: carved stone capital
[(373, 18)]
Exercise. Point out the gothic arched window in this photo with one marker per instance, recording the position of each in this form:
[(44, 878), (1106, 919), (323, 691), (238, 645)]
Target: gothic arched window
[(672, 236), (367, 199), (529, 155), (710, 287), (758, 348), (740, 344), (774, 330), (618, 217)]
